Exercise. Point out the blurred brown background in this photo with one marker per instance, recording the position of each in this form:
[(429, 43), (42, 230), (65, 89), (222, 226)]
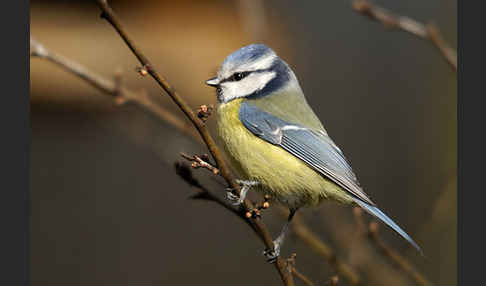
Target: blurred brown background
[(107, 207)]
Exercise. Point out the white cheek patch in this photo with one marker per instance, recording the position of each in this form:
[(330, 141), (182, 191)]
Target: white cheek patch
[(253, 82)]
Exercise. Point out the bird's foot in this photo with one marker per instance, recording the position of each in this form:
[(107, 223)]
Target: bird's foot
[(245, 187), (272, 254), (234, 199)]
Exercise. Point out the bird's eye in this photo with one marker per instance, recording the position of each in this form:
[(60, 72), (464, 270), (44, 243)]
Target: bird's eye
[(239, 76)]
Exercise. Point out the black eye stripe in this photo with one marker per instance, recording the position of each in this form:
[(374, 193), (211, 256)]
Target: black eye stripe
[(277, 66), (237, 76)]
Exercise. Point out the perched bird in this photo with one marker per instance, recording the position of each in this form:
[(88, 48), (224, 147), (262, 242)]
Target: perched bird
[(275, 141)]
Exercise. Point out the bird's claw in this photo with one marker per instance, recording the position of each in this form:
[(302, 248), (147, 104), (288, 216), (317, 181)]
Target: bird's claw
[(272, 254), (234, 199), (245, 187)]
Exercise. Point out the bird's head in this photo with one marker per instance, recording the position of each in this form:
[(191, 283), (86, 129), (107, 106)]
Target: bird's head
[(252, 71)]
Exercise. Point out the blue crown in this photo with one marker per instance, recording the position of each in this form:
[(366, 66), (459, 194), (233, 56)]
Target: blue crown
[(248, 53)]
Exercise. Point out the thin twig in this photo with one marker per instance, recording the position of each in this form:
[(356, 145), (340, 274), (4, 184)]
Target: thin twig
[(359, 236), (427, 32), (372, 232), (109, 15), (201, 162), (395, 256), (312, 240), (302, 277), (112, 88), (291, 266), (360, 225)]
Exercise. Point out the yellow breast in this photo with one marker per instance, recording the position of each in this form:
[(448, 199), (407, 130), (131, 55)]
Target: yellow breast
[(281, 174)]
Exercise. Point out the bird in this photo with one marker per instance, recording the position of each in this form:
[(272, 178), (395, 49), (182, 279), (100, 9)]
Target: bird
[(277, 144)]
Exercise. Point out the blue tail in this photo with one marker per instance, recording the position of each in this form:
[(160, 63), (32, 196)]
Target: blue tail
[(383, 217)]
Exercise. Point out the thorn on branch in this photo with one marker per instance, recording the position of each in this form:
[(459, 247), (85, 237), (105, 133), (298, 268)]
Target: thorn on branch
[(143, 71), (204, 111), (201, 161)]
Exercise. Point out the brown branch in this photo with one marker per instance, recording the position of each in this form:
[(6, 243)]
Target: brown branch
[(360, 225), (395, 257), (112, 88), (354, 253), (427, 32), (302, 277), (293, 269), (372, 232), (323, 250), (109, 15)]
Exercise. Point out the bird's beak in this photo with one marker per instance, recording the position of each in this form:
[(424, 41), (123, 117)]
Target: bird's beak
[(213, 82)]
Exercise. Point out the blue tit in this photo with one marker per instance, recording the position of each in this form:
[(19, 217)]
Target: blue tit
[(276, 142)]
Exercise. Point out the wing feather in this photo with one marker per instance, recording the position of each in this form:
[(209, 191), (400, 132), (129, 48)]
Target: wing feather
[(309, 145)]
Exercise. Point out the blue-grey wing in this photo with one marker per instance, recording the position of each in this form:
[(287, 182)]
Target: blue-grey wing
[(314, 147)]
